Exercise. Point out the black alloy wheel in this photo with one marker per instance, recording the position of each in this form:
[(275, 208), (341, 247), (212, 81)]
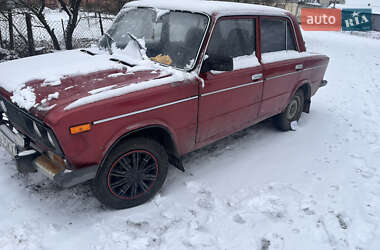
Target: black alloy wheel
[(131, 174)]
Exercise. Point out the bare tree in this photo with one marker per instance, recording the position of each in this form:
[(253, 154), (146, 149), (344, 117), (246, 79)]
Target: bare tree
[(37, 9), (71, 7)]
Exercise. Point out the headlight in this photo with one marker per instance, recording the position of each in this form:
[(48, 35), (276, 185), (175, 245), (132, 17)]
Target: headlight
[(36, 129)]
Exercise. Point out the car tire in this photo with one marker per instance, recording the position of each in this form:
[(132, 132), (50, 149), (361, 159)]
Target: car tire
[(132, 174), (291, 113)]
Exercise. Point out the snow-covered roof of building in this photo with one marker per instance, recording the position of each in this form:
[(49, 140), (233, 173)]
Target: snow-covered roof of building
[(367, 4), (208, 7)]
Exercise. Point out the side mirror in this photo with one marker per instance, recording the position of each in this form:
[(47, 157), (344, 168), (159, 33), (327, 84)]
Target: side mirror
[(217, 63)]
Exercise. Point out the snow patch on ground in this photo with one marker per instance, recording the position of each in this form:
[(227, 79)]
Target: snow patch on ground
[(294, 125)]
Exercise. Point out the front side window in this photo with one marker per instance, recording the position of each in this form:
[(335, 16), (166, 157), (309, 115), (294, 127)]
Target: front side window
[(235, 38), (170, 37), (276, 35)]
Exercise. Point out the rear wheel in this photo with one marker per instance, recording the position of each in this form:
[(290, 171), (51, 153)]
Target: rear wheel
[(132, 174), (292, 112)]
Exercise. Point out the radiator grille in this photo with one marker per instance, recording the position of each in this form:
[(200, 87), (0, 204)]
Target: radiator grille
[(23, 122)]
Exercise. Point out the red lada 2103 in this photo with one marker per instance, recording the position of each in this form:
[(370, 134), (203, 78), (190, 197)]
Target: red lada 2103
[(167, 78)]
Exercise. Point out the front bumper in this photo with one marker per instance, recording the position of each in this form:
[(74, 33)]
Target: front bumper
[(29, 160), (63, 177)]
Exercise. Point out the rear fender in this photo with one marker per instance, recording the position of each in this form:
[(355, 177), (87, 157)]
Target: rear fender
[(305, 85)]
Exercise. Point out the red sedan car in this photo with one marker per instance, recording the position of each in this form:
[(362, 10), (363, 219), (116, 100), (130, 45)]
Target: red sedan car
[(166, 79)]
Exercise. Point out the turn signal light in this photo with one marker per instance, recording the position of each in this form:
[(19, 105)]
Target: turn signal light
[(80, 128)]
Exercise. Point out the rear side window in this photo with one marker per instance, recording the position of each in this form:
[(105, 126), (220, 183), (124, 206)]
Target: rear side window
[(276, 35), (233, 38)]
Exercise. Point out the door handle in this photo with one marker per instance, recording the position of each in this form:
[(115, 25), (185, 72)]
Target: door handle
[(299, 66), (257, 77)]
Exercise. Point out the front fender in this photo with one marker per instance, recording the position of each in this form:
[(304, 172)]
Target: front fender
[(126, 131)]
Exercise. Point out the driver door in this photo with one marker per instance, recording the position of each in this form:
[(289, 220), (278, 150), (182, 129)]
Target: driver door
[(230, 101)]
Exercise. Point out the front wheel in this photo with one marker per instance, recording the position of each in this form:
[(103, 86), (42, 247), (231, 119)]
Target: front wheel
[(292, 112), (132, 174)]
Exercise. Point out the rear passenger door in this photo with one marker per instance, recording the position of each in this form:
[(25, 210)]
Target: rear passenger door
[(282, 63), (230, 101)]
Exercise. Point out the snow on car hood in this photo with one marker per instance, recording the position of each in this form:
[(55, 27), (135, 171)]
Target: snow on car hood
[(71, 79), (50, 68)]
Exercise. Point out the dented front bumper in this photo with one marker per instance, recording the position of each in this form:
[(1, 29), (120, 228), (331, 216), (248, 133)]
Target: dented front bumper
[(62, 176), (49, 164)]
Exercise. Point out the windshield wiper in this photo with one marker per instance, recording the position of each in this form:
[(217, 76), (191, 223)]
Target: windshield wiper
[(122, 62), (141, 47), (109, 48), (88, 52)]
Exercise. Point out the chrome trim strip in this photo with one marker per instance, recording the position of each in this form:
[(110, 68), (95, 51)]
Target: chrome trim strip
[(235, 87), (291, 73), (316, 67), (143, 110), (195, 97), (278, 76)]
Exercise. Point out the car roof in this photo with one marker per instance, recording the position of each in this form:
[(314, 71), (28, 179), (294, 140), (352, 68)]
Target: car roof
[(210, 7)]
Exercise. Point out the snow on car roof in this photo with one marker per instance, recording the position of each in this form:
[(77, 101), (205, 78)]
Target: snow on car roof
[(209, 7)]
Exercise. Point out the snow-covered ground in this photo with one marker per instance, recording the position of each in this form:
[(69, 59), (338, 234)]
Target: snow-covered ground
[(312, 189)]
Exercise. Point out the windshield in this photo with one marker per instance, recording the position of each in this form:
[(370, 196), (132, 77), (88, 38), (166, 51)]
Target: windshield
[(168, 37)]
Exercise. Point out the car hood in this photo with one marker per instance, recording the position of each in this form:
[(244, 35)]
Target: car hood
[(69, 79)]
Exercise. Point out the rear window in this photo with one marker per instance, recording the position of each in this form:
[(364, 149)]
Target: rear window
[(276, 35), (233, 38)]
